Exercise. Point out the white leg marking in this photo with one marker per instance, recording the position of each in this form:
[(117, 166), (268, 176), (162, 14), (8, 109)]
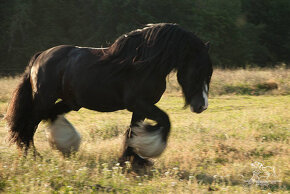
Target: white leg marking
[(63, 136), (147, 144), (205, 95)]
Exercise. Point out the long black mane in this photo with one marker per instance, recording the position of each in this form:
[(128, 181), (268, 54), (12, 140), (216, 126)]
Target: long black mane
[(156, 47)]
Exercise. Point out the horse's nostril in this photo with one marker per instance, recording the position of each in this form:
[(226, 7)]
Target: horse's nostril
[(202, 108)]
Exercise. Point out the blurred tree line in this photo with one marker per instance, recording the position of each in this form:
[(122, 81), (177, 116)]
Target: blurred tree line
[(241, 32)]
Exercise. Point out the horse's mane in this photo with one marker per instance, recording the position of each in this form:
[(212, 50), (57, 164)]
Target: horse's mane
[(158, 47)]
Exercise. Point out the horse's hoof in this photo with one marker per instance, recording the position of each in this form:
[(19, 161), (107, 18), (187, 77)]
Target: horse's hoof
[(144, 163), (135, 162)]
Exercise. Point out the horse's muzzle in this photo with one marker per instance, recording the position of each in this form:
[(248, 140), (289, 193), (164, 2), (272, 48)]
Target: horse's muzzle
[(198, 110)]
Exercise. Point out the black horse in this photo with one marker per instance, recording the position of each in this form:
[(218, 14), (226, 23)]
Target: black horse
[(130, 74)]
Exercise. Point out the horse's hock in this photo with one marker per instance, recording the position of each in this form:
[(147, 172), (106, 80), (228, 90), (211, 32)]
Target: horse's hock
[(63, 136)]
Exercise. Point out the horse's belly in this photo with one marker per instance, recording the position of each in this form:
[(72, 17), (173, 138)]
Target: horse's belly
[(93, 94), (105, 108), (102, 102)]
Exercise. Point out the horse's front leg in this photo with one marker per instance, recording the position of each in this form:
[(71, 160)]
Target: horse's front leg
[(128, 152), (145, 140)]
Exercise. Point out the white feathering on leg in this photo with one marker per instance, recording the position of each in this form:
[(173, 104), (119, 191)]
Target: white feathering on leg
[(147, 144), (63, 136)]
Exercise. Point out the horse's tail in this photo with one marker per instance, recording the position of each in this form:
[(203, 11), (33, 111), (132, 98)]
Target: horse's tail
[(20, 108)]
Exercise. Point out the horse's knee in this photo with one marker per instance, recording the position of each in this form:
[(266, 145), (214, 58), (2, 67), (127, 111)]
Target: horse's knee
[(165, 126)]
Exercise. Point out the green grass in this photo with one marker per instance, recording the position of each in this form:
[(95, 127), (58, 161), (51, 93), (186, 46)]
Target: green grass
[(212, 151)]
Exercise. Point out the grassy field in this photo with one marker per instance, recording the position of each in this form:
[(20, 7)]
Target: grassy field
[(247, 122)]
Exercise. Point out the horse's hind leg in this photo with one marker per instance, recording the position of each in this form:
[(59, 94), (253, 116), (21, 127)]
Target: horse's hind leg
[(60, 132), (43, 108)]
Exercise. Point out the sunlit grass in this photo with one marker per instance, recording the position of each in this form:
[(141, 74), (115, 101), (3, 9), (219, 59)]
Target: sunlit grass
[(212, 151), (244, 82)]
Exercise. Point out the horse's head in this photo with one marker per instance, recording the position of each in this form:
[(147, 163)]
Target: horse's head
[(194, 77)]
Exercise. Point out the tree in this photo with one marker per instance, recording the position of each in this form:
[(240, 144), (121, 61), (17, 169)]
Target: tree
[(274, 17), (241, 32)]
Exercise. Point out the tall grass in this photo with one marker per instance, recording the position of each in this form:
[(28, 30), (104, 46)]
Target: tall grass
[(212, 151)]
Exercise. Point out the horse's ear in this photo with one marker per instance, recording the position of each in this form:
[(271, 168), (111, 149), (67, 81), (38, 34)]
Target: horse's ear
[(207, 44)]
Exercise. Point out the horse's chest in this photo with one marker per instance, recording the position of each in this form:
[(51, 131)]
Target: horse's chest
[(152, 90)]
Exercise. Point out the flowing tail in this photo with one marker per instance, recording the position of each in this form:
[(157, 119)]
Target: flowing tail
[(20, 109)]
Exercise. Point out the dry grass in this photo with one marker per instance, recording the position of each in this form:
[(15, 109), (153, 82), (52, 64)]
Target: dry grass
[(212, 151), (245, 82), (250, 81)]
